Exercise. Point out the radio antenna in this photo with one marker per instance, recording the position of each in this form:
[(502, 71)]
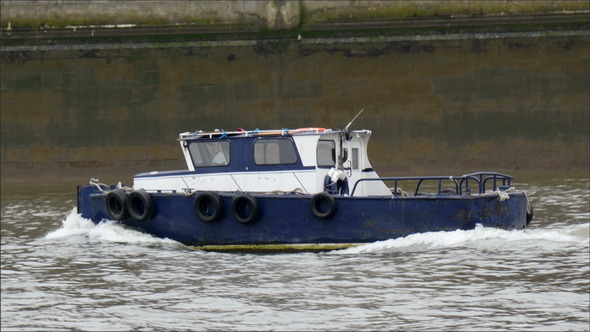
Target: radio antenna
[(351, 121)]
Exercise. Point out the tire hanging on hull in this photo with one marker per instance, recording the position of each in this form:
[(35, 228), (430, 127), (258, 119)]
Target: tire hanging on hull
[(208, 206), (140, 205), (529, 213), (323, 205), (116, 204), (245, 208)]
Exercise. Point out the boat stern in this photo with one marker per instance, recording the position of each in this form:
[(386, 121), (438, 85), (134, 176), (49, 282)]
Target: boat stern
[(506, 210)]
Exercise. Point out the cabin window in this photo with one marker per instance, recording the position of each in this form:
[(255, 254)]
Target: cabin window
[(279, 151), (209, 153), (355, 158), (326, 153)]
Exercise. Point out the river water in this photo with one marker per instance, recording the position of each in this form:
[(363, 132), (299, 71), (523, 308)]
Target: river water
[(61, 272)]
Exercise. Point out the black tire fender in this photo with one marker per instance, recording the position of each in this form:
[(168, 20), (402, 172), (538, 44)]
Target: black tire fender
[(529, 213), (323, 205), (208, 206), (116, 204), (245, 208), (140, 205)]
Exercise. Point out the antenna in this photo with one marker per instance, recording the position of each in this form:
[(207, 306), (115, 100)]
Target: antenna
[(351, 121)]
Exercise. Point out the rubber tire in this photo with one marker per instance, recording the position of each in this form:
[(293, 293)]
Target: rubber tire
[(202, 202), (116, 204), (140, 205), (238, 204), (529, 213), (319, 198)]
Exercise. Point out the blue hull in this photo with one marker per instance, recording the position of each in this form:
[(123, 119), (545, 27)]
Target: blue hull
[(288, 219)]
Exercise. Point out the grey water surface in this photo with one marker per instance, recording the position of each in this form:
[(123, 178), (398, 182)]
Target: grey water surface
[(61, 272)]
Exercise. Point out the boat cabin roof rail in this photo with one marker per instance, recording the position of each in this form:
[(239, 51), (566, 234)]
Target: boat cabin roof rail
[(460, 183), (257, 132)]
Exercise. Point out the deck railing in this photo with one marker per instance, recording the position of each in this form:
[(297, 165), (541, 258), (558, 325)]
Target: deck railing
[(461, 184)]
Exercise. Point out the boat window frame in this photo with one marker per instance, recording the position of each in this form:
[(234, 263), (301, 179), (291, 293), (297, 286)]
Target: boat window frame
[(333, 143), (210, 141), (355, 159), (281, 139)]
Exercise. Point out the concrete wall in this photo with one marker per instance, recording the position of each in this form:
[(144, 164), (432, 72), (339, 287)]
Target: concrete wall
[(63, 13), (260, 14), (450, 103)]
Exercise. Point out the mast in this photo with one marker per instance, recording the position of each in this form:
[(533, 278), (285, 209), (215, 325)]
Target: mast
[(341, 137)]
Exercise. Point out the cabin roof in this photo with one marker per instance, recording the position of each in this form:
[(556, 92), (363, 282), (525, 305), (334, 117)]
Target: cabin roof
[(260, 133)]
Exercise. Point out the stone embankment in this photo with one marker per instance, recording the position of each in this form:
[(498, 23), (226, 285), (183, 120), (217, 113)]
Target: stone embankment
[(176, 16), (102, 88)]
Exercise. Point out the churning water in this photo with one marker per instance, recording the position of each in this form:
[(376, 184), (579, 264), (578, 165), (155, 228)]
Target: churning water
[(61, 272)]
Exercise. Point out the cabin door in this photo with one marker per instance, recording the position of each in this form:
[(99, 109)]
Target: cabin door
[(353, 165)]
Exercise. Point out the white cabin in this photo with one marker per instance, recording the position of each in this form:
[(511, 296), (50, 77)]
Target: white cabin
[(271, 161)]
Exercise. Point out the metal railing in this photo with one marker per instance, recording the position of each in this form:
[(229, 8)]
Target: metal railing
[(461, 183)]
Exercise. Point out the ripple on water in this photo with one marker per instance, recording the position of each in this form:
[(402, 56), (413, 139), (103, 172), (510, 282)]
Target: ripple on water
[(71, 274)]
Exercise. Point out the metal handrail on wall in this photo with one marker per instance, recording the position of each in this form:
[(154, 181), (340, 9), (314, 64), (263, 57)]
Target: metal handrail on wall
[(461, 182)]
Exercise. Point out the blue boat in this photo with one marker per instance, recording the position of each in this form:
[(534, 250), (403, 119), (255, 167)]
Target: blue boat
[(301, 189)]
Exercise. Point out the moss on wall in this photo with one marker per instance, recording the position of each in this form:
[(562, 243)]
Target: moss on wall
[(276, 15)]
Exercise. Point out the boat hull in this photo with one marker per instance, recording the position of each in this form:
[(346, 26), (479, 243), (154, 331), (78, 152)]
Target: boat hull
[(288, 219)]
